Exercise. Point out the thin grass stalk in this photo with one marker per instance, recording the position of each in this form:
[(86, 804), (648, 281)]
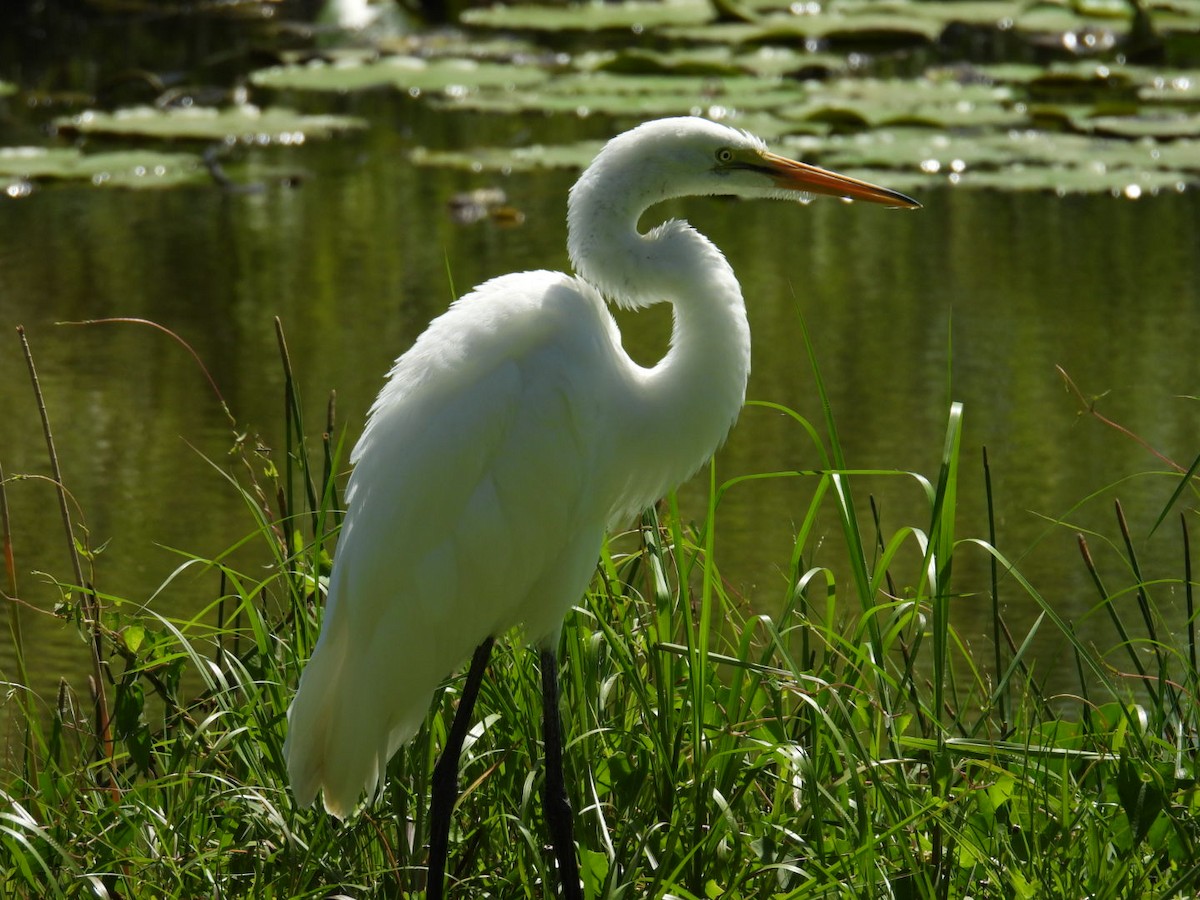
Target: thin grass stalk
[(1189, 598), (1083, 688), (876, 517), (1143, 599), (1140, 590), (296, 452), (286, 497), (697, 640), (941, 551), (1005, 700), (1106, 599), (1186, 480), (328, 479), (219, 643), (91, 605), (859, 568), (29, 762)]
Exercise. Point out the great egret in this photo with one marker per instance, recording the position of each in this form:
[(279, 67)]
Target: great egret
[(504, 443)]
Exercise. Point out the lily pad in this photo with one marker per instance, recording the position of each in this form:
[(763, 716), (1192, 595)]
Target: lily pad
[(942, 103), (574, 156), (1054, 18), (1063, 180), (245, 124), (414, 74), (1171, 88), (641, 96), (511, 159), (712, 62), (872, 25), (454, 43), (1162, 126), (636, 16), (1021, 160), (125, 168)]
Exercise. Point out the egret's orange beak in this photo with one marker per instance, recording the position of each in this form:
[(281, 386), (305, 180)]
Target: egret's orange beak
[(798, 176)]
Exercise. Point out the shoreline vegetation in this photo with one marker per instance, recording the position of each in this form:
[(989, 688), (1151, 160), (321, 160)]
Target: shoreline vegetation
[(851, 744)]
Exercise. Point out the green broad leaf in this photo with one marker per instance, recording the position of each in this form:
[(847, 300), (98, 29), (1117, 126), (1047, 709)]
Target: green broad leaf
[(407, 73), (246, 124), (132, 636), (1001, 791), (19, 166), (128, 707), (1142, 796), (593, 868)]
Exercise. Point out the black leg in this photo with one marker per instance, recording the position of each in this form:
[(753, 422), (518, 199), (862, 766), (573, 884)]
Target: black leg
[(555, 804), (445, 775)]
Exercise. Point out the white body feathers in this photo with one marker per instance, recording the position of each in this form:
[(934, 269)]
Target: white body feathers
[(514, 431)]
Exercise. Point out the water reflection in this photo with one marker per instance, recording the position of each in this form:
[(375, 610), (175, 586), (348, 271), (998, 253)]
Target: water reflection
[(977, 298)]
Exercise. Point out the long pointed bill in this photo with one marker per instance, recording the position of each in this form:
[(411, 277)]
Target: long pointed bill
[(798, 176)]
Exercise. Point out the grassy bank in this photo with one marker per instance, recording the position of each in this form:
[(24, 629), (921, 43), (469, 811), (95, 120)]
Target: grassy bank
[(847, 745)]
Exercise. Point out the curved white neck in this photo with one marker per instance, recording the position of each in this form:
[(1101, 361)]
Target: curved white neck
[(680, 409)]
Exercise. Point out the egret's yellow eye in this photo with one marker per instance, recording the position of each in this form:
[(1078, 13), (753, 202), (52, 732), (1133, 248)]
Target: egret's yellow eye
[(724, 156)]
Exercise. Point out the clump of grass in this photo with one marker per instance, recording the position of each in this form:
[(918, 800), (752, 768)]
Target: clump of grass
[(846, 745)]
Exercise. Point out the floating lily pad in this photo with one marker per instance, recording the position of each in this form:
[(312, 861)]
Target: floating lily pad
[(1059, 18), (1171, 88), (410, 73), (945, 103), (246, 124), (1020, 160), (126, 168), (643, 96), (575, 156), (982, 13), (712, 62), (1063, 180), (634, 16), (887, 29), (1175, 16), (455, 43), (775, 62), (865, 27), (511, 159), (1162, 126)]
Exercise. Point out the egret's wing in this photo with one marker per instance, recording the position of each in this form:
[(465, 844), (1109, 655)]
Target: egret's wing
[(473, 506)]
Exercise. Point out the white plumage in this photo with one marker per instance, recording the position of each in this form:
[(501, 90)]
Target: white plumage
[(514, 431)]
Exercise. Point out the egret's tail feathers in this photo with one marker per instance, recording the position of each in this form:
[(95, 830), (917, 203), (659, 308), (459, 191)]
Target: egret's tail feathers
[(345, 723)]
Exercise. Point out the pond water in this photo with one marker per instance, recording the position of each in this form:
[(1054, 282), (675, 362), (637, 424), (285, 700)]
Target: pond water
[(976, 298)]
